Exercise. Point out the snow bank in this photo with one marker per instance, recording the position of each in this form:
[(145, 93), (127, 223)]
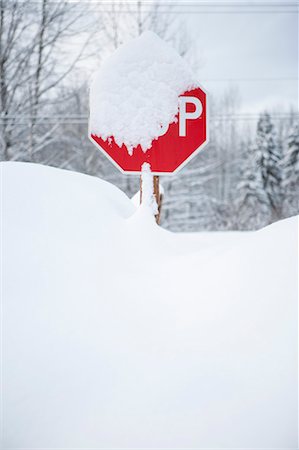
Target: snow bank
[(119, 334), (134, 96)]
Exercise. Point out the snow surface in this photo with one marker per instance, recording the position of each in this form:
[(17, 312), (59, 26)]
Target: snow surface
[(134, 96), (119, 334)]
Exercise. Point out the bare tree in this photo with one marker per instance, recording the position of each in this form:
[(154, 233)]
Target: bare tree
[(122, 20), (31, 70)]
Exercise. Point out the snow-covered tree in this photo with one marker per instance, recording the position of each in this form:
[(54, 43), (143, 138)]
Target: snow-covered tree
[(253, 208), (290, 173), (268, 155)]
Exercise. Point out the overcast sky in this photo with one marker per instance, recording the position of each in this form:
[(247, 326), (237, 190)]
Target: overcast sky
[(257, 50), (251, 45)]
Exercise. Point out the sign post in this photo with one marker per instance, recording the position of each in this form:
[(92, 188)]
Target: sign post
[(157, 195)]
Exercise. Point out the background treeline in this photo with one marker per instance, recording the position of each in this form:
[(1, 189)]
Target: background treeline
[(247, 176)]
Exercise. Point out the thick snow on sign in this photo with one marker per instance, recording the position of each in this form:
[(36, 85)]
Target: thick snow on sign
[(134, 96), (119, 334)]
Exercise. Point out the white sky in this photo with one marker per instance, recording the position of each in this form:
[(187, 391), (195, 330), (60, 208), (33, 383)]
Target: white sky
[(259, 51), (251, 45)]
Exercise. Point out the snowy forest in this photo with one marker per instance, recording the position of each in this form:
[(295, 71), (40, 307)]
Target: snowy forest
[(246, 177)]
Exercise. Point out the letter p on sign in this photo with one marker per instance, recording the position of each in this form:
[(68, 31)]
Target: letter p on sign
[(184, 115)]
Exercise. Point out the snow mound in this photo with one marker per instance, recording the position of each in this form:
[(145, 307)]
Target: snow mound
[(119, 334), (134, 96)]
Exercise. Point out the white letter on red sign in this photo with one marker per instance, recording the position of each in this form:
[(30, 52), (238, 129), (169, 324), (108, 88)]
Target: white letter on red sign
[(184, 115)]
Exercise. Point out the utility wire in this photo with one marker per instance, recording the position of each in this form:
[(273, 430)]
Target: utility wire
[(195, 4), (84, 119), (200, 7), (84, 116), (206, 80), (291, 11)]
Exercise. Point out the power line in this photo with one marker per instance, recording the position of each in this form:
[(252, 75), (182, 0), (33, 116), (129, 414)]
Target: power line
[(83, 119), (196, 3), (278, 3), (179, 7), (85, 116), (206, 80), (295, 11)]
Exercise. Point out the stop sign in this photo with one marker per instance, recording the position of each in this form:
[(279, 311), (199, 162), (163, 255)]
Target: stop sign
[(176, 145)]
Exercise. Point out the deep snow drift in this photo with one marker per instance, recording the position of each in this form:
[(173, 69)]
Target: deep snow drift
[(117, 333), (143, 78)]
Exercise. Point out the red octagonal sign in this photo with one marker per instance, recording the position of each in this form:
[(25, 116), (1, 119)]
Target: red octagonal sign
[(183, 139)]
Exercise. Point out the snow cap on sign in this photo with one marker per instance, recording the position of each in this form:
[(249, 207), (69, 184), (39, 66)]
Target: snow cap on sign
[(134, 96)]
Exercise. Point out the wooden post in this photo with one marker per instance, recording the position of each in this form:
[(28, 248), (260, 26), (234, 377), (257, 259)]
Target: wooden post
[(157, 195)]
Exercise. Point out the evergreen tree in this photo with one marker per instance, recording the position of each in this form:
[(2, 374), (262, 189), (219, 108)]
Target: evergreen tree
[(269, 154), (290, 173), (253, 207)]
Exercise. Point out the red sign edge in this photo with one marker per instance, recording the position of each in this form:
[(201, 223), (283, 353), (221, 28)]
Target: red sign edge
[(196, 152)]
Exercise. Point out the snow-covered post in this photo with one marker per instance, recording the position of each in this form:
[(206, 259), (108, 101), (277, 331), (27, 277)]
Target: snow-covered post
[(150, 192)]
